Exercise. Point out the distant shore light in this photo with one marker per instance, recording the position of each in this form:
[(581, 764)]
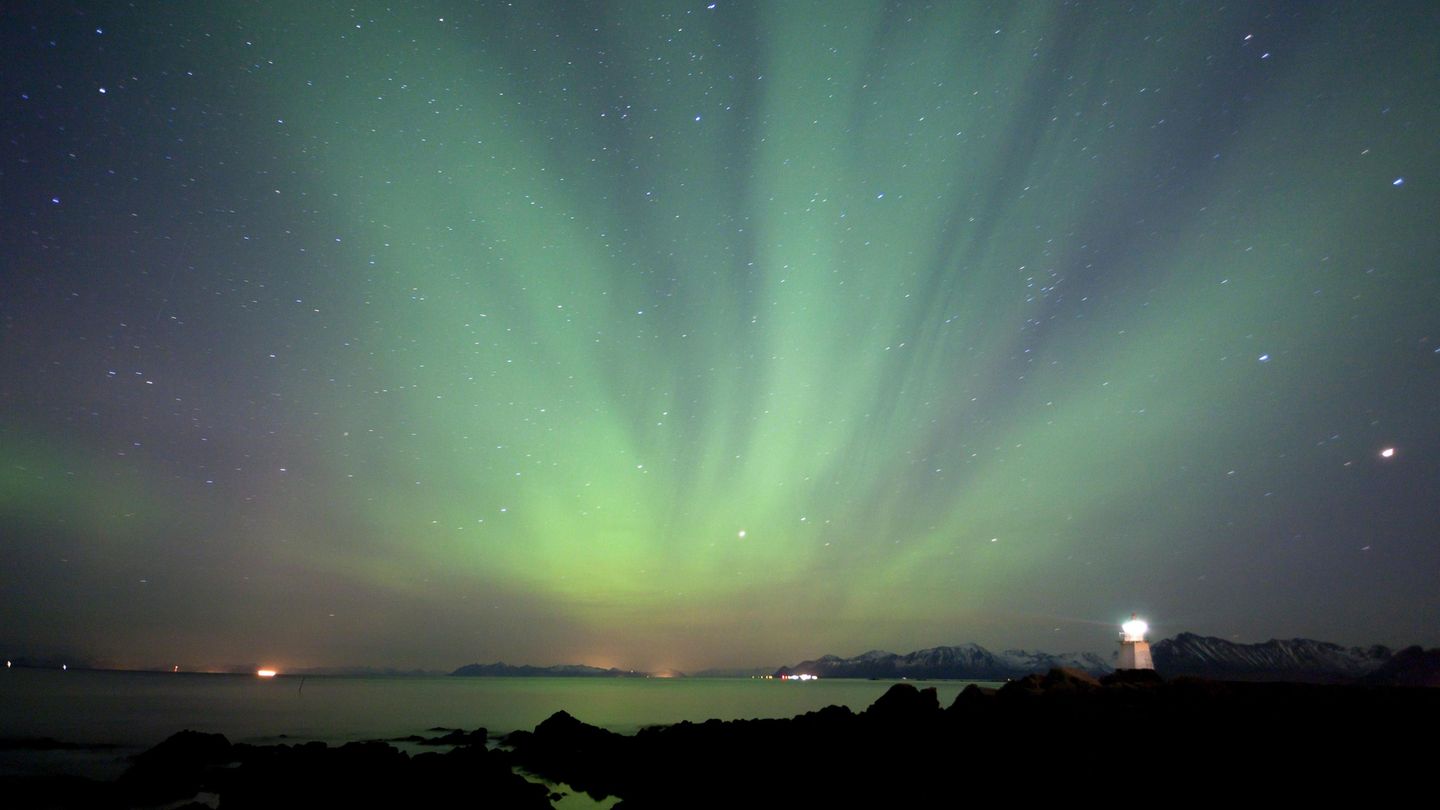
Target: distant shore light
[(265, 673)]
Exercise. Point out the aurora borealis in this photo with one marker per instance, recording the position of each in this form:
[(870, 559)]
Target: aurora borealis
[(689, 334)]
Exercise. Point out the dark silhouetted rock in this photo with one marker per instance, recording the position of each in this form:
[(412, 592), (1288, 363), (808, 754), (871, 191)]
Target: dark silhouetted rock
[(358, 774), (563, 749), (1040, 739), (904, 703), (1065, 678), (1028, 686), (1132, 677), (1046, 738), (174, 769), (973, 698), (458, 737), (62, 792)]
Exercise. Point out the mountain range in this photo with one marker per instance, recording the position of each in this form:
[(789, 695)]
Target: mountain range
[(1187, 654), (967, 661), (1295, 660), (1299, 659)]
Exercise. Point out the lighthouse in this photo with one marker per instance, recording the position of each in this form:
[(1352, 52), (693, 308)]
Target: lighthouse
[(1134, 649)]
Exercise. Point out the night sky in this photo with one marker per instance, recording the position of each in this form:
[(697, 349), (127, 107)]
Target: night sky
[(651, 334)]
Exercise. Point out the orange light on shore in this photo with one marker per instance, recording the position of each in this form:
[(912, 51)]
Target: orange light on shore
[(265, 673)]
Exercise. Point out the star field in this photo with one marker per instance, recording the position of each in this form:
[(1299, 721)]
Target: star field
[(691, 334)]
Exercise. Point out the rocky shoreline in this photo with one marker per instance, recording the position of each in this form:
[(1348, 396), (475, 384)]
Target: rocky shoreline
[(1057, 737)]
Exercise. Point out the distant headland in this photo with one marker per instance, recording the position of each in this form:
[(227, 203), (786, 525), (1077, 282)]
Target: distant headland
[(502, 670)]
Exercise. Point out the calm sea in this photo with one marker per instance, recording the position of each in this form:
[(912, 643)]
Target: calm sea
[(132, 710)]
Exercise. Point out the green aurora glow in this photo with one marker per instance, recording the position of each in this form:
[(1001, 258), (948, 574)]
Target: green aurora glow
[(655, 335)]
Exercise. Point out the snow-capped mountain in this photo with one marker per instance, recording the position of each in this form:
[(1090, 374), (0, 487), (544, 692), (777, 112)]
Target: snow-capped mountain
[(967, 661), (1299, 659)]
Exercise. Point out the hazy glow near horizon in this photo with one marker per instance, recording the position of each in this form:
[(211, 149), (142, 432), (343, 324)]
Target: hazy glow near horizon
[(665, 336)]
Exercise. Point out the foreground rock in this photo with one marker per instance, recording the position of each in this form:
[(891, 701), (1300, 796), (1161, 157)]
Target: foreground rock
[(360, 774), (1048, 738), (1061, 737)]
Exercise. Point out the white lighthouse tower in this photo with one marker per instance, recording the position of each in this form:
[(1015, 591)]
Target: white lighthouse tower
[(1134, 649)]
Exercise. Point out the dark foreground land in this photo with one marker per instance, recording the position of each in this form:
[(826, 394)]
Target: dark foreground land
[(1059, 737)]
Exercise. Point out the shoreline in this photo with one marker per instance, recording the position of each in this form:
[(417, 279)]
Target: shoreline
[(1079, 732)]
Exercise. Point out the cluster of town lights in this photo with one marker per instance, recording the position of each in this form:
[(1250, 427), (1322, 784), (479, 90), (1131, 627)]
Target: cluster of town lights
[(805, 676)]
